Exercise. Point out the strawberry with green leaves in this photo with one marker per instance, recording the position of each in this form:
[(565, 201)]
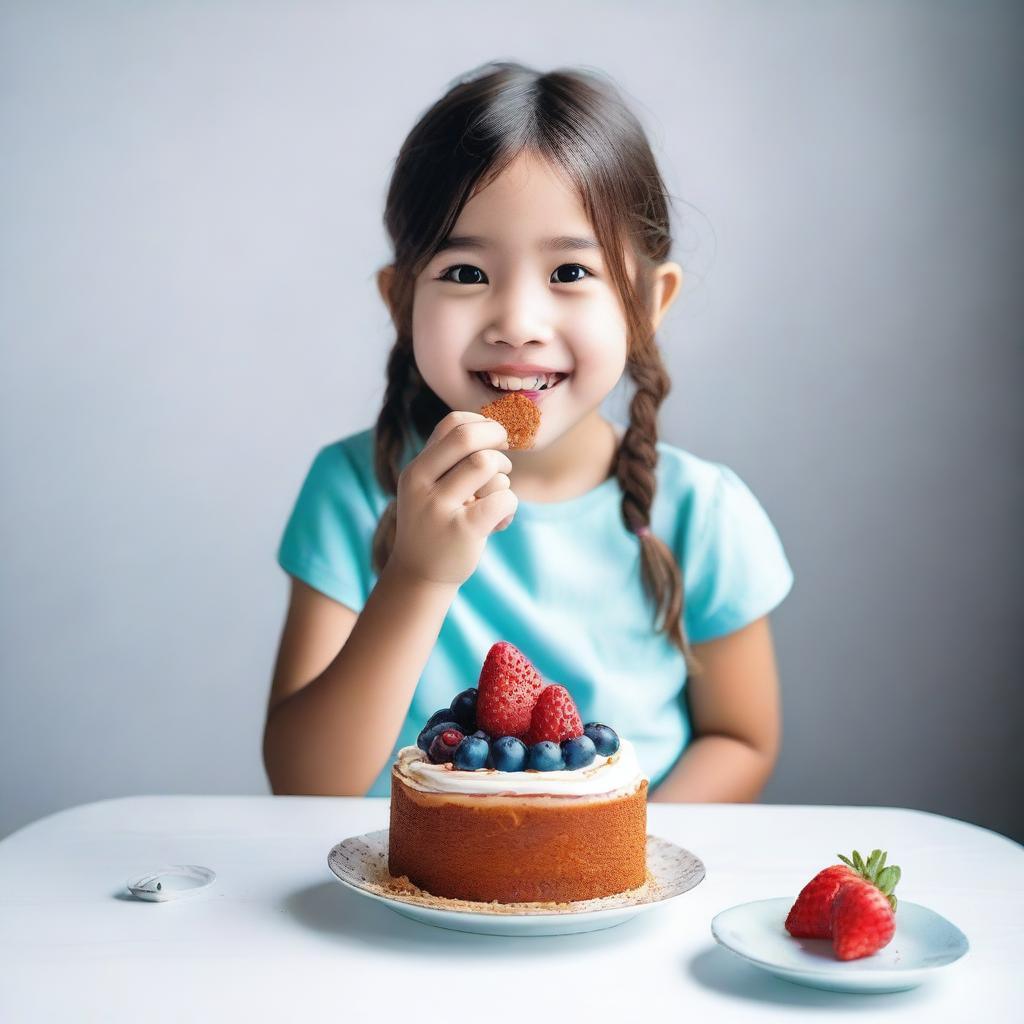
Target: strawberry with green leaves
[(852, 903)]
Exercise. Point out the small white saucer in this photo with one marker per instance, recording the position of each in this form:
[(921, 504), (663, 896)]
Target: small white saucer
[(360, 863), (923, 941), (171, 883)]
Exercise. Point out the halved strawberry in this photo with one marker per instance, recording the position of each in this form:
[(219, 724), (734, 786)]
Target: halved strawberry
[(507, 691), (555, 717)]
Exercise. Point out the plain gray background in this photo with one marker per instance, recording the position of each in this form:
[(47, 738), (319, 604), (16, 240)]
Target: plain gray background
[(191, 222)]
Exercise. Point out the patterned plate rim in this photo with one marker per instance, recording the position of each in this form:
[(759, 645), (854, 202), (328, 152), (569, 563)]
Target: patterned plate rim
[(347, 861)]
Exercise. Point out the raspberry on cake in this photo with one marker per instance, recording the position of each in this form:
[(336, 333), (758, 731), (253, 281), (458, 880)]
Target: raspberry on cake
[(518, 415), (531, 806)]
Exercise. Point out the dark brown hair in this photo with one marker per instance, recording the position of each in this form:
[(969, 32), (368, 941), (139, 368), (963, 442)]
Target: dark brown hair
[(578, 121)]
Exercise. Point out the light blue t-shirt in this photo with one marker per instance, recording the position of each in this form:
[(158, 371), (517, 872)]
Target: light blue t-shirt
[(563, 584)]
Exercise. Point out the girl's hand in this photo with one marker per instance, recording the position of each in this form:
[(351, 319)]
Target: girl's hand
[(451, 498)]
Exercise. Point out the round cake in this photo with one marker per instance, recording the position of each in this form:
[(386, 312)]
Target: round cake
[(519, 836), (509, 797)]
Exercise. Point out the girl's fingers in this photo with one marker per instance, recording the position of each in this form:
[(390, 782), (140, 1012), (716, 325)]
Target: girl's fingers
[(463, 438), (459, 484), (498, 482), (487, 513), (452, 420)]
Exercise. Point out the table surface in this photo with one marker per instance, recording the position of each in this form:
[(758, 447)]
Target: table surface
[(277, 938)]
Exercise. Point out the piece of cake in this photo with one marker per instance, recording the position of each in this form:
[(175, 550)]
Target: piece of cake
[(531, 806), (518, 415)]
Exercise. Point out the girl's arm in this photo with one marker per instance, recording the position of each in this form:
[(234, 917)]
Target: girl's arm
[(734, 709), (343, 683)]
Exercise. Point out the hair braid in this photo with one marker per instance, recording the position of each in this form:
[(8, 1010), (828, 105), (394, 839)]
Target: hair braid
[(390, 436), (635, 468), (409, 405)]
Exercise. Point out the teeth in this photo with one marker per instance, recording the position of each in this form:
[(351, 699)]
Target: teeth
[(535, 383)]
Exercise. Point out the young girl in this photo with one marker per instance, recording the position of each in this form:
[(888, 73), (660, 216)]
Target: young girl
[(531, 235)]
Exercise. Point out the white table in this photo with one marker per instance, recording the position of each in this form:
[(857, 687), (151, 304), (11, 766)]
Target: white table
[(277, 938)]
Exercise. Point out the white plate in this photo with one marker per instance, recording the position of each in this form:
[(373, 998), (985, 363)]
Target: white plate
[(360, 862), (923, 941)]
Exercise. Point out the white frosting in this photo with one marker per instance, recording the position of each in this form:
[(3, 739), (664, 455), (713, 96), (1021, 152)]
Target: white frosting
[(604, 775)]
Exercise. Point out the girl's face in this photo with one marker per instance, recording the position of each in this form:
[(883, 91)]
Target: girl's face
[(521, 288)]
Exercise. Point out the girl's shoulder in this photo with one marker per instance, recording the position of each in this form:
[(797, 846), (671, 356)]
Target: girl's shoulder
[(345, 467), (356, 448), (686, 476), (682, 474), (704, 496), (734, 566)]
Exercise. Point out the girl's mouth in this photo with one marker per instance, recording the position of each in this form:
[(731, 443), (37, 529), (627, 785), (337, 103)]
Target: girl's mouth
[(552, 382)]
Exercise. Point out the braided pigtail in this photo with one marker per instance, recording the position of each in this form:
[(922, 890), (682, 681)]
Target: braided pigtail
[(409, 406), (635, 468), (389, 439)]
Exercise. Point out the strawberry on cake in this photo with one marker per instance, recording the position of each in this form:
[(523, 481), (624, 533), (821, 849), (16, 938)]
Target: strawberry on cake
[(509, 797)]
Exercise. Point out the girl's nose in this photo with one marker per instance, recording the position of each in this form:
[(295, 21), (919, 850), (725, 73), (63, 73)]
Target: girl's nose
[(520, 312)]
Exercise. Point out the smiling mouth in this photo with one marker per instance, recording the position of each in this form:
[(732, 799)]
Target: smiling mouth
[(542, 390)]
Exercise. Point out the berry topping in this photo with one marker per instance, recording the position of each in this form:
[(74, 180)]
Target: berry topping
[(606, 739), (508, 754), (443, 746), (463, 709), (545, 756), (430, 731), (813, 915), (471, 754), (578, 752), (508, 689), (554, 717), (442, 715)]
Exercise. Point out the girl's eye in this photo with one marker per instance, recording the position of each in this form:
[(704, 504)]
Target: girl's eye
[(456, 269), (572, 266), (451, 274)]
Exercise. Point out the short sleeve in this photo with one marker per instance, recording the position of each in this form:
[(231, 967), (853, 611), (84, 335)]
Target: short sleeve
[(327, 540), (734, 566)]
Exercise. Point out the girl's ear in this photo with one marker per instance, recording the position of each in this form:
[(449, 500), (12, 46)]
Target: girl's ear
[(385, 277), (668, 279)]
